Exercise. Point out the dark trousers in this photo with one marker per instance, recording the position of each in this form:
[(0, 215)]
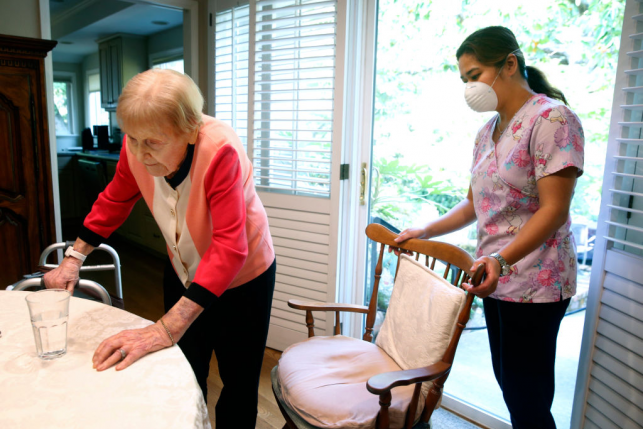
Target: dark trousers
[(523, 351), (235, 327)]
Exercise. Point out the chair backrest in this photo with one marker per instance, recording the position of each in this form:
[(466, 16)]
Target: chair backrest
[(90, 287), (457, 264)]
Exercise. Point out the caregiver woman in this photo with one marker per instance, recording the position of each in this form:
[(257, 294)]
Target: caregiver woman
[(525, 164), (195, 177)]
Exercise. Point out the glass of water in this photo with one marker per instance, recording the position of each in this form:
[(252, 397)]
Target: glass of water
[(49, 311)]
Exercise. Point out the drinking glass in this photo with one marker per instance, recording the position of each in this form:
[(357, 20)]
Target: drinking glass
[(49, 311)]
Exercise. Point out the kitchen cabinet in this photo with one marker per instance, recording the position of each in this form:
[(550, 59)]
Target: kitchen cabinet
[(69, 188), (121, 57)]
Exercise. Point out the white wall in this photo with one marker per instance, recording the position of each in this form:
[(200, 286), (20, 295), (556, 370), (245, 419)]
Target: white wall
[(20, 18), (168, 40)]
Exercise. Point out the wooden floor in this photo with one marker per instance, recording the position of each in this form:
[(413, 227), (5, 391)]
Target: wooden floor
[(142, 277)]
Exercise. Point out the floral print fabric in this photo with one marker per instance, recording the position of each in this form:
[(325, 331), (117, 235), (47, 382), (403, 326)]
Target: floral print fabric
[(543, 138)]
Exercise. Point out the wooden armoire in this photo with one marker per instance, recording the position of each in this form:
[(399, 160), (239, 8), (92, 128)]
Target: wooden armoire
[(26, 197)]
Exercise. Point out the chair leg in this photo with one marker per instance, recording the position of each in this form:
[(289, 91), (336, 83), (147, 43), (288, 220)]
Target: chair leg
[(289, 423), (431, 401)]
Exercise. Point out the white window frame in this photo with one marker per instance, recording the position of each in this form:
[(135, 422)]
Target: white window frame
[(64, 76), (165, 56), (86, 93)]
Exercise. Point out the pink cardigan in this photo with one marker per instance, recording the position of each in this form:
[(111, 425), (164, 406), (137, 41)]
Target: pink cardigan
[(213, 222)]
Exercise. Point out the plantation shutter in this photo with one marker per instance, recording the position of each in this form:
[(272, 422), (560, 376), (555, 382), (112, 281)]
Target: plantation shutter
[(231, 69), (609, 390), (291, 115)]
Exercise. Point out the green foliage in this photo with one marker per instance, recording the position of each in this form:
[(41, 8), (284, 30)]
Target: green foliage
[(61, 106), (423, 132), (399, 190)]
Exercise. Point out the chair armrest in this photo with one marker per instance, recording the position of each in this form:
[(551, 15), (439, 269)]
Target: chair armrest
[(382, 383), (326, 306)]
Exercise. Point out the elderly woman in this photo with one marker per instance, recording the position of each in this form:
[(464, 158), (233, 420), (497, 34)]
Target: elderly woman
[(196, 178)]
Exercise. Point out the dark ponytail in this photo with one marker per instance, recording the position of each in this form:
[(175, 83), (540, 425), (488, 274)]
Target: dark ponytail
[(538, 83), (492, 45)]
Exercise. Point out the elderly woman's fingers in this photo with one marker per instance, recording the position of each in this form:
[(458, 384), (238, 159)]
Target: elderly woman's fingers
[(130, 358), (112, 359), (105, 350)]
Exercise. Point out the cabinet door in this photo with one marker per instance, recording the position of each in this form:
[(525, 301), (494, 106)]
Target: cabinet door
[(105, 81), (24, 219), (115, 57), (67, 188)]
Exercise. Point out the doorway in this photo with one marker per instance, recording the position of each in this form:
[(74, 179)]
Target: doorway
[(422, 143)]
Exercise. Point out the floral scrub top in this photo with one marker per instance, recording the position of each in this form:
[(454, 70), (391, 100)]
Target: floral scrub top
[(542, 138)]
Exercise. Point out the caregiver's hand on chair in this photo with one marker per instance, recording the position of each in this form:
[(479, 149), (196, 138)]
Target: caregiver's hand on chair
[(490, 283)]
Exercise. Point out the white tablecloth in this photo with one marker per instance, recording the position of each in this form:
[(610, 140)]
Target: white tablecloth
[(157, 391)]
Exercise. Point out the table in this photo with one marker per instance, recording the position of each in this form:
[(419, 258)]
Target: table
[(157, 391)]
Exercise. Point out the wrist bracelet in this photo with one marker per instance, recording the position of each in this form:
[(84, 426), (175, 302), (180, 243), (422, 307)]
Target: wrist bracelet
[(169, 334)]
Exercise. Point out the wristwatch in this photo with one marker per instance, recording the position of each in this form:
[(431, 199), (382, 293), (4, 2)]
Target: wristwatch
[(505, 268), (71, 252)]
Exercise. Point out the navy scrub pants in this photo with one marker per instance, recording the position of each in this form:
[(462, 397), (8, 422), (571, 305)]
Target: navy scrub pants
[(522, 337)]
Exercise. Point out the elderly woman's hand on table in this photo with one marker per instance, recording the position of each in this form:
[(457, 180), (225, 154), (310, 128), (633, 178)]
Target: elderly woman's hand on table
[(137, 342), (129, 346)]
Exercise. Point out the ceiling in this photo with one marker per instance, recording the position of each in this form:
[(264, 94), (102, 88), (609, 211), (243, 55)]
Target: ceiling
[(77, 24)]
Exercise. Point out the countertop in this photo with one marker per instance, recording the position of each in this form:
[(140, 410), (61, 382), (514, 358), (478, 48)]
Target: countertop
[(92, 154)]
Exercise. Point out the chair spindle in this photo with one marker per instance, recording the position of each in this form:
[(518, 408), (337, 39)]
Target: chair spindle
[(410, 414), (372, 305), (310, 323), (385, 403)]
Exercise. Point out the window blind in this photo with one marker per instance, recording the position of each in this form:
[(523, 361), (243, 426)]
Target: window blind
[(93, 82), (231, 69), (625, 199), (293, 94)]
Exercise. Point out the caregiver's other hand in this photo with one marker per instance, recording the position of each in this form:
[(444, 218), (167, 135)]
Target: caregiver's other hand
[(65, 276), (136, 343), (414, 232), (490, 283)]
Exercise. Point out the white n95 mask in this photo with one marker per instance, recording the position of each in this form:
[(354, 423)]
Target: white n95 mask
[(480, 96)]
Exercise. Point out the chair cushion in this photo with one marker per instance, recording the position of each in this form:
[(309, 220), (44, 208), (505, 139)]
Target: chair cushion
[(421, 317), (323, 379)]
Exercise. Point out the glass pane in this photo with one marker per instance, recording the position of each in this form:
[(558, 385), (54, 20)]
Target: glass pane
[(97, 115), (93, 82), (293, 95), (176, 65), (62, 107), (423, 137)]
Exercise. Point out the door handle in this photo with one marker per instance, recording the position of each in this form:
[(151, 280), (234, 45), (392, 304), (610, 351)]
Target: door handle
[(362, 184)]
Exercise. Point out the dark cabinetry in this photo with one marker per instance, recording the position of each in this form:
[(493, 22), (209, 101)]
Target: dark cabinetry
[(26, 196), (121, 57)]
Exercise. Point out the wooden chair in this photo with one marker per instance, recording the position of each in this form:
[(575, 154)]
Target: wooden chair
[(458, 263)]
